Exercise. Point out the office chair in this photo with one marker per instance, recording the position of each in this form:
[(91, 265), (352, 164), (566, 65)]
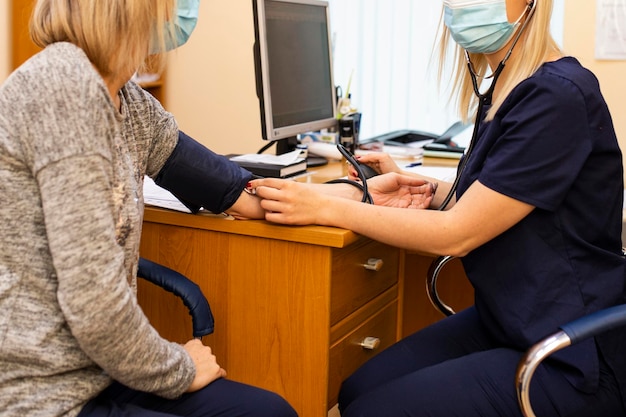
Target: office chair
[(431, 284), (181, 286), (571, 333)]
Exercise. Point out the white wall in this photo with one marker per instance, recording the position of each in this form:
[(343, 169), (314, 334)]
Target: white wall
[(211, 84), (580, 25), (210, 81)]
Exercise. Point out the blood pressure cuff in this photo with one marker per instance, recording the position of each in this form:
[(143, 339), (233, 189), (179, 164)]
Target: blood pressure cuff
[(200, 178)]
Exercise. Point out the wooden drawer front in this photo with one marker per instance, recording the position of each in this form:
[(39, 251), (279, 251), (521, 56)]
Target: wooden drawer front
[(353, 285), (347, 354)]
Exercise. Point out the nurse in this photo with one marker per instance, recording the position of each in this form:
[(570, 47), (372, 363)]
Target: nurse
[(535, 215)]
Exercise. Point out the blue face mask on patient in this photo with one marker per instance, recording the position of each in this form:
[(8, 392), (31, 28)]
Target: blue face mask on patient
[(479, 26), (186, 20)]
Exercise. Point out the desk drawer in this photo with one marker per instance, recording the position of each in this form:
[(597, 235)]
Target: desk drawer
[(352, 284), (348, 354)]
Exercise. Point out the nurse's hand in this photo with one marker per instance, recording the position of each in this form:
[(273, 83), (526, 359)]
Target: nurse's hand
[(288, 202), (380, 162), (395, 190)]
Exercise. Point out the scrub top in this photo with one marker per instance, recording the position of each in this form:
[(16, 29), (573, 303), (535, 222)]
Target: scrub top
[(552, 145)]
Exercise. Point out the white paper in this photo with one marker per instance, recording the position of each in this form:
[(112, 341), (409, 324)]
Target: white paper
[(611, 29), (154, 195), (284, 159)]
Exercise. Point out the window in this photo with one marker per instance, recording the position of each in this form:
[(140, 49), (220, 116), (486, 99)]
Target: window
[(386, 48)]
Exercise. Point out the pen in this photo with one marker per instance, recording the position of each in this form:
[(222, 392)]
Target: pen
[(414, 164)]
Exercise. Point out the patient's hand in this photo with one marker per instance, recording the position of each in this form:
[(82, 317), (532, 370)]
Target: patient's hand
[(207, 368), (395, 190)]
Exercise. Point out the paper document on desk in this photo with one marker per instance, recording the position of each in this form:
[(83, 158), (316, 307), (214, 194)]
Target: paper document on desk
[(153, 195)]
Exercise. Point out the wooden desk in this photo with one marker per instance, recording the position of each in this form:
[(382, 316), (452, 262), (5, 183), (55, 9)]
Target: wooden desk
[(292, 304)]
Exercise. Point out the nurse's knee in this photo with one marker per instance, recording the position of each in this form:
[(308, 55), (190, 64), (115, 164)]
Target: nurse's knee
[(274, 406)]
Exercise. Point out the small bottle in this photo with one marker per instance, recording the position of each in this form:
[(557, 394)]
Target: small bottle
[(346, 133)]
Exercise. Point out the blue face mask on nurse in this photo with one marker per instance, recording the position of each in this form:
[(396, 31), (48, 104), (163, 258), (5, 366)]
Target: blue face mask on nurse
[(184, 24), (479, 26)]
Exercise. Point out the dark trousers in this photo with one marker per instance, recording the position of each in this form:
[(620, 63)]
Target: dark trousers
[(453, 369), (223, 398)]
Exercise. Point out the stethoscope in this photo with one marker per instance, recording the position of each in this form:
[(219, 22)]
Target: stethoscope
[(367, 197), (483, 99)]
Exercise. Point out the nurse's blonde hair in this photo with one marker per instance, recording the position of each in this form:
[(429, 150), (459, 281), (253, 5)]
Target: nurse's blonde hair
[(534, 47), (116, 35)]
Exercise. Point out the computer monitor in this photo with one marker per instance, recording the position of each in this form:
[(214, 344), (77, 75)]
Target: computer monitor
[(293, 57)]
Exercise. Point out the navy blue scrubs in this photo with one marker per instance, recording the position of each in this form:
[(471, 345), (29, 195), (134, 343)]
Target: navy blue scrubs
[(552, 145)]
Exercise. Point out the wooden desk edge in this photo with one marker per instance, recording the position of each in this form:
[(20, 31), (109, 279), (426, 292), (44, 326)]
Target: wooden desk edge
[(316, 235)]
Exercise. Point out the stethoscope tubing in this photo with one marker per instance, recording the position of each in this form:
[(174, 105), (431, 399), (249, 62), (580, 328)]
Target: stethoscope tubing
[(483, 99)]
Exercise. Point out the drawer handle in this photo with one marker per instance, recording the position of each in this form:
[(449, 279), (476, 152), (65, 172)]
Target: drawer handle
[(373, 264), (370, 343)]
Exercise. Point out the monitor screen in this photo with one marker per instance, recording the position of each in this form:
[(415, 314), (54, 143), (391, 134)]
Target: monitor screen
[(293, 67)]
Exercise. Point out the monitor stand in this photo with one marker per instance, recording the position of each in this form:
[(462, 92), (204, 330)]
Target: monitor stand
[(290, 143), (286, 145)]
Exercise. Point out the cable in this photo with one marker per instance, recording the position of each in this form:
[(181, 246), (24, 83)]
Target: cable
[(266, 147)]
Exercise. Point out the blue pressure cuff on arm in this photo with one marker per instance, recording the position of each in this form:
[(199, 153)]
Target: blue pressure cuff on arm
[(198, 177)]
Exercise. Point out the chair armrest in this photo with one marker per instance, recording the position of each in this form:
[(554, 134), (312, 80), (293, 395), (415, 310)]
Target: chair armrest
[(431, 284), (587, 326), (596, 323), (184, 288)]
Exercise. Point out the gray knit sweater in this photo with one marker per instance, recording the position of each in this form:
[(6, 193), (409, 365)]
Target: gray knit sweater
[(71, 175)]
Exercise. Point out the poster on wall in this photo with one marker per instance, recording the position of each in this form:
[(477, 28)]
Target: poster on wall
[(611, 29)]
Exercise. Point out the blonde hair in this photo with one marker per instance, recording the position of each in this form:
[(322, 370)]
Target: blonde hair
[(535, 47), (116, 35)]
